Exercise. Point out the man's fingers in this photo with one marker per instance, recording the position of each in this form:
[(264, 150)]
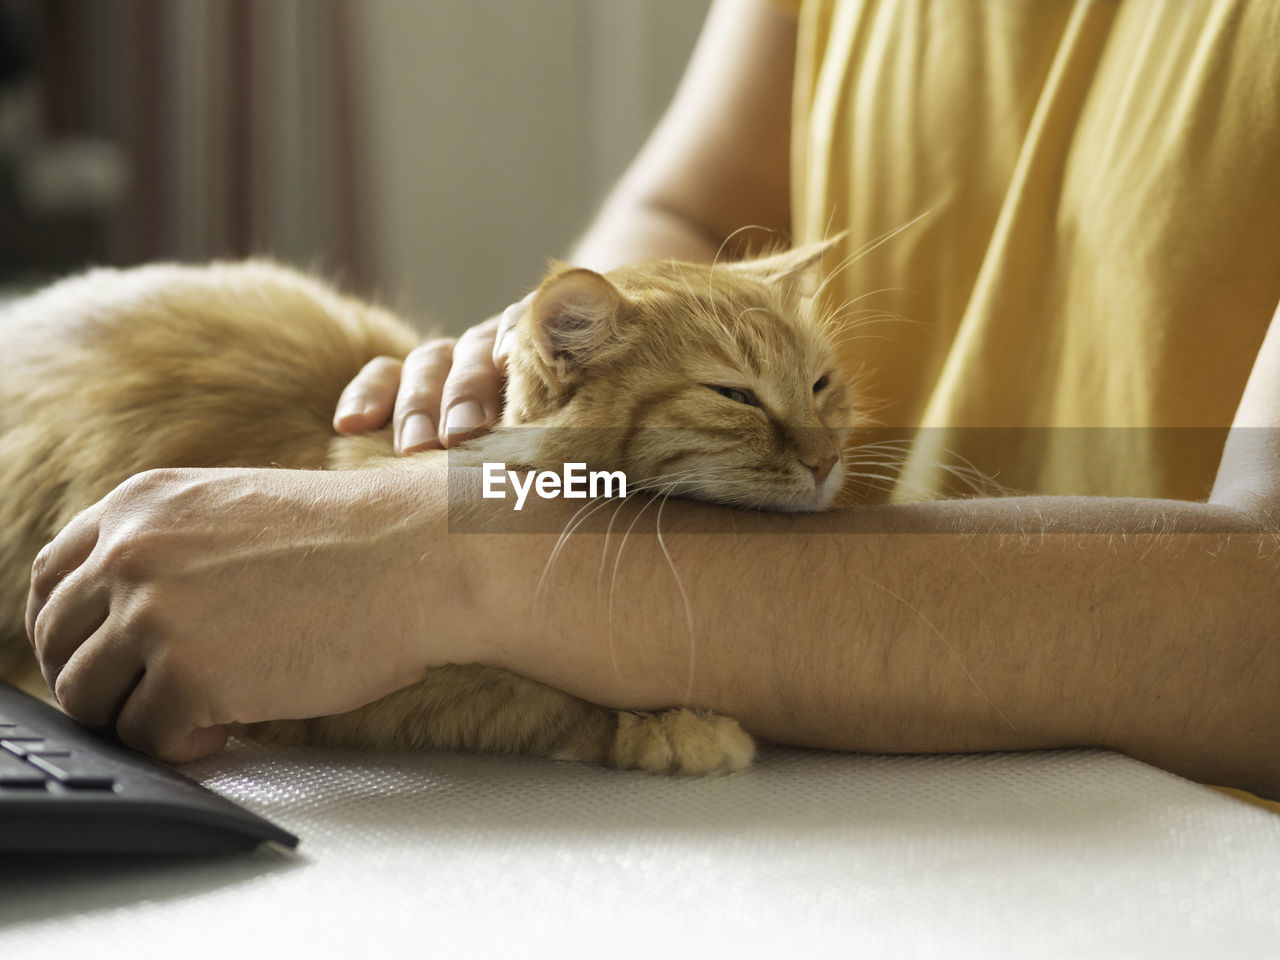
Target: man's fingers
[(444, 392), (472, 393), (506, 324), (68, 618), (418, 403), (65, 553), (98, 678), (367, 401), (152, 720)]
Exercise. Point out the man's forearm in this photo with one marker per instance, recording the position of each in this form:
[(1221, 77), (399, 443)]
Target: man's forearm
[(945, 626)]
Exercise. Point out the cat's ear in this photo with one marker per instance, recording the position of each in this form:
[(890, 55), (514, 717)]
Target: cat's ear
[(577, 318), (799, 267)]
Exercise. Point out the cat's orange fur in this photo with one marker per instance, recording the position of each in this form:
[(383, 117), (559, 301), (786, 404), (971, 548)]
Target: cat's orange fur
[(115, 372)]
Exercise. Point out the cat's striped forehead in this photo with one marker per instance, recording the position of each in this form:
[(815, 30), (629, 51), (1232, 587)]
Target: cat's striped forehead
[(690, 310)]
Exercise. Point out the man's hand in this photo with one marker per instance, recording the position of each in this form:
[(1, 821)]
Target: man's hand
[(459, 378), (187, 600)]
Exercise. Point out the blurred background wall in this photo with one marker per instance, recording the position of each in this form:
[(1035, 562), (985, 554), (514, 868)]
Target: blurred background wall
[(431, 153)]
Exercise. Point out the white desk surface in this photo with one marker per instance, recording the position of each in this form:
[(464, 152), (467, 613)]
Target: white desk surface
[(808, 854)]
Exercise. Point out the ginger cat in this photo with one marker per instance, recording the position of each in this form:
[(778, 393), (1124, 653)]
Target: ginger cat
[(711, 382)]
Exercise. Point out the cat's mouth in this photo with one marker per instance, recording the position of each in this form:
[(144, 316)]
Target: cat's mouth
[(813, 492), (827, 489)]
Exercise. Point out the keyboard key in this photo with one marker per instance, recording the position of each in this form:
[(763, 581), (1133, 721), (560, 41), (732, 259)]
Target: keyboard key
[(44, 748), (16, 773), (12, 731), (71, 772), (38, 748)]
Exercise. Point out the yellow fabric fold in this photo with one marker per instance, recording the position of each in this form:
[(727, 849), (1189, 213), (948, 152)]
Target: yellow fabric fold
[(1097, 250)]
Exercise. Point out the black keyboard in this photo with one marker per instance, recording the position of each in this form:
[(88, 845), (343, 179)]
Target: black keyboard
[(65, 790)]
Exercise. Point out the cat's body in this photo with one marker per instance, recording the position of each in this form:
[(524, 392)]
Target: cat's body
[(115, 372)]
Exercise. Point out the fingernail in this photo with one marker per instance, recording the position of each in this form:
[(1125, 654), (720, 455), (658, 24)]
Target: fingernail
[(503, 348), (463, 416), (418, 429), (351, 407)]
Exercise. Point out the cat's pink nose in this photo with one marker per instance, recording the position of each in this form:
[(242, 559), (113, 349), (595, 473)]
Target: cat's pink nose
[(821, 469)]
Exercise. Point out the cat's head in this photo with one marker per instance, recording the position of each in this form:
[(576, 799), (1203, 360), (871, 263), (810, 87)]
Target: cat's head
[(716, 382)]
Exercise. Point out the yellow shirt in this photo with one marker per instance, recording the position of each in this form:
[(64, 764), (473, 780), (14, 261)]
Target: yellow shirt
[(1101, 253)]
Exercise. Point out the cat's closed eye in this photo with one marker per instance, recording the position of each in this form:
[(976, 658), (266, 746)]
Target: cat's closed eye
[(736, 394), (821, 382)]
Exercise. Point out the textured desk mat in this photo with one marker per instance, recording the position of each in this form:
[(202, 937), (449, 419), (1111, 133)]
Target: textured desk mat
[(1060, 854)]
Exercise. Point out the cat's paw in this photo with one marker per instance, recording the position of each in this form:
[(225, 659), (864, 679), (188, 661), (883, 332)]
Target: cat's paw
[(690, 742)]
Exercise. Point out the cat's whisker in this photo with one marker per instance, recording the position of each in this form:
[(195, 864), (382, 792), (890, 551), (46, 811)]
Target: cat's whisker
[(619, 503), (580, 516), (900, 441), (831, 219), (871, 293), (644, 486), (743, 313), (840, 328), (888, 456), (890, 467), (604, 549), (844, 341), (866, 249), (707, 314), (978, 481), (613, 579), (980, 484), (604, 554), (888, 483), (899, 447), (711, 272), (864, 461), (885, 458), (841, 323), (584, 513), (661, 493), (836, 317), (684, 597)]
